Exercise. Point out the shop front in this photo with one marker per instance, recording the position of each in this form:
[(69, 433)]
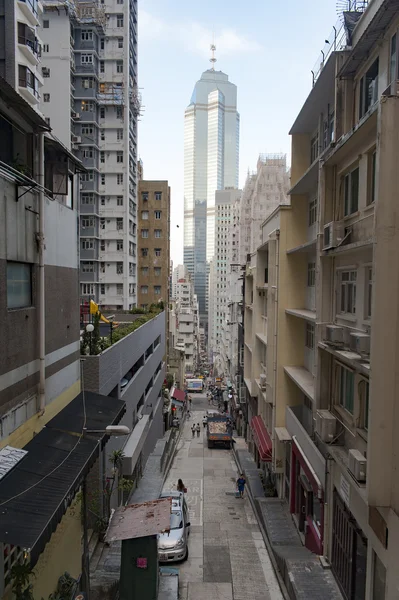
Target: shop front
[(262, 444), (306, 499)]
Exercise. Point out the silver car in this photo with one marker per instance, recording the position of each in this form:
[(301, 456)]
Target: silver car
[(173, 546)]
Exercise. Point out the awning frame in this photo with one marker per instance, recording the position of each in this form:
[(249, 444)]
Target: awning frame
[(262, 439)]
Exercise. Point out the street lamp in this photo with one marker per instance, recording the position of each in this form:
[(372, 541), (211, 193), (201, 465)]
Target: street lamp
[(110, 430), (90, 329)]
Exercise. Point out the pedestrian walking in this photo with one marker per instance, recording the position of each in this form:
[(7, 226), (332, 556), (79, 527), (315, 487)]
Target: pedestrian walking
[(241, 481), (189, 402), (181, 487), (193, 429), (204, 420), (198, 428)]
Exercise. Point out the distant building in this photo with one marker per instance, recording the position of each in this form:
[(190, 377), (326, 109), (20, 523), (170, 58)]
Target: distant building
[(153, 242)]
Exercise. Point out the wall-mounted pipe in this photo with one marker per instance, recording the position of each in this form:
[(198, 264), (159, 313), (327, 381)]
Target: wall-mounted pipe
[(41, 287)]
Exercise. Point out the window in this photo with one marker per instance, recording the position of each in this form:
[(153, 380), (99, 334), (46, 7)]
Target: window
[(102, 135), (312, 212), (102, 223), (351, 192), (311, 274), (369, 291), (102, 180), (157, 290), (157, 271), (372, 179), (87, 35), (309, 342), (46, 24), (119, 112), (87, 222), (46, 48), (119, 157), (119, 223), (314, 148), (102, 245), (87, 289), (102, 157), (144, 289), (87, 199), (102, 112), (46, 97), (157, 251), (119, 289), (88, 267), (119, 20), (119, 134), (132, 269), (88, 83), (119, 179), (88, 153), (346, 388), (102, 289), (102, 267), (158, 214), (132, 249), (364, 392), (120, 42), (144, 233), (87, 244), (144, 215), (86, 59), (144, 196), (45, 71), (19, 285), (348, 292), (368, 93), (119, 200), (119, 66), (379, 578), (119, 244), (119, 2), (144, 252), (102, 66), (144, 270), (102, 44), (157, 233), (158, 195), (119, 268), (87, 106)]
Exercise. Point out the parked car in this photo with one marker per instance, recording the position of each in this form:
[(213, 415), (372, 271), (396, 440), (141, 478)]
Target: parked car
[(173, 546)]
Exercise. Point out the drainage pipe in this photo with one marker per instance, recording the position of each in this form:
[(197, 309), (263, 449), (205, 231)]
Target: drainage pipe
[(41, 288)]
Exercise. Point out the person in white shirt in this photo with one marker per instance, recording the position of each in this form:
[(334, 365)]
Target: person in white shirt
[(204, 420)]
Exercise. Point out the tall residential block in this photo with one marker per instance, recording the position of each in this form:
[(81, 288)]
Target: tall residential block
[(153, 242), (90, 96), (211, 155), (326, 392)]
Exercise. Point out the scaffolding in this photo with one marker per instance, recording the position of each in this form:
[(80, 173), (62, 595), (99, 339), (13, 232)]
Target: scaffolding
[(110, 94), (135, 101), (88, 12)]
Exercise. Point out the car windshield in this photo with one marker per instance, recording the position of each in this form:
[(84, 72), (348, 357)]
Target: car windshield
[(176, 521)]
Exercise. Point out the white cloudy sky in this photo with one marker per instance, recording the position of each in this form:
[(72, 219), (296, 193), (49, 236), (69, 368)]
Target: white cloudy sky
[(268, 49)]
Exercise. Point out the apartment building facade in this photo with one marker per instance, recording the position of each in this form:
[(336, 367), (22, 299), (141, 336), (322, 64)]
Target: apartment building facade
[(40, 356), (187, 314), (328, 405), (94, 108), (21, 48), (226, 203), (153, 242)]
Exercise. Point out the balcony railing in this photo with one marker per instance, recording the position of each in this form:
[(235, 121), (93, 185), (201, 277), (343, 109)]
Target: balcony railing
[(32, 5), (33, 44), (24, 82)]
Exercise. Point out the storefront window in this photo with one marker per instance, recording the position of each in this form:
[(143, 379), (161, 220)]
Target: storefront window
[(379, 575)]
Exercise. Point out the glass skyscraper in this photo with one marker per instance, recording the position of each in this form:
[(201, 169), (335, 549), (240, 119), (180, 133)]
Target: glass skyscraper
[(211, 155)]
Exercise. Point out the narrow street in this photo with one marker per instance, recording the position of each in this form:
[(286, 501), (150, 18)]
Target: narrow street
[(228, 559)]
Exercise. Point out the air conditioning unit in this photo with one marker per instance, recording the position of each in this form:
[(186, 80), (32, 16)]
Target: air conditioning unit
[(326, 425), (76, 139), (75, 115), (262, 381), (333, 234), (334, 334), (360, 343), (357, 465)]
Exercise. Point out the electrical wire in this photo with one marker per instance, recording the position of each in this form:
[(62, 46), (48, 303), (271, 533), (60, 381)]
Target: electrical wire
[(65, 459)]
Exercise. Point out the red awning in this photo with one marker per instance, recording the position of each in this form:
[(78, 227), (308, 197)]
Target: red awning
[(179, 395), (262, 439)]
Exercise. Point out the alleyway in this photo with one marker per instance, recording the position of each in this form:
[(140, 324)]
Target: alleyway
[(227, 556)]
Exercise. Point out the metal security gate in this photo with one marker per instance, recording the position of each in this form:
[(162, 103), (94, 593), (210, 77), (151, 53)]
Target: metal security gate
[(349, 552), (343, 541)]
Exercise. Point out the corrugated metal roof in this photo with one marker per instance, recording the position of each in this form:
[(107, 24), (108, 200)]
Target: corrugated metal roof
[(139, 520)]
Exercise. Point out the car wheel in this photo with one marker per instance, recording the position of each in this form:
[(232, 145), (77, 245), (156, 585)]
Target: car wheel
[(186, 556)]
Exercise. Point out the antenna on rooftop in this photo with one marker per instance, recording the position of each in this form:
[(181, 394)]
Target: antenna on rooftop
[(213, 58)]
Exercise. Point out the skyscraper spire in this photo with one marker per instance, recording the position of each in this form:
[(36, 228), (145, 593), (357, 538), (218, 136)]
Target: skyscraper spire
[(213, 59)]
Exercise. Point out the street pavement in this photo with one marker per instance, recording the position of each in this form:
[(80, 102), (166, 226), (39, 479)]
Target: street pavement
[(228, 559)]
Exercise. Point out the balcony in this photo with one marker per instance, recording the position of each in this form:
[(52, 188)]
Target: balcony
[(29, 9), (28, 44), (28, 87), (297, 422), (303, 379), (302, 313)]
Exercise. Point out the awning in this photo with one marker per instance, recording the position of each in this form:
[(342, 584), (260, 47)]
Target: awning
[(36, 493), (178, 395), (262, 439)]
